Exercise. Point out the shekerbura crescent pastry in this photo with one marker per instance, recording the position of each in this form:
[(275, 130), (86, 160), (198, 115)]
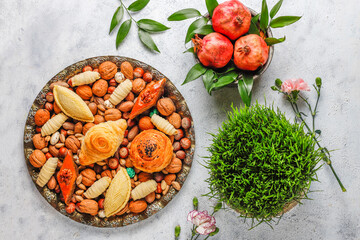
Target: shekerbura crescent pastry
[(118, 193), (151, 151), (101, 141), (72, 104)]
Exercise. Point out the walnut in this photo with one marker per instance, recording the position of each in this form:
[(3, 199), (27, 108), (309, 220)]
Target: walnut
[(112, 114), (86, 127), (88, 177), (84, 91), (72, 143), (53, 151), (41, 117), (165, 106), (37, 158), (88, 206), (39, 141), (107, 70)]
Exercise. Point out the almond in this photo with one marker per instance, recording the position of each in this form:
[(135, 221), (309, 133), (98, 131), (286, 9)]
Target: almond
[(126, 106), (137, 206), (112, 114), (127, 70)]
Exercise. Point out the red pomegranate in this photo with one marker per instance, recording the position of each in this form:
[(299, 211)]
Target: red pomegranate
[(214, 50), (251, 52), (232, 19)]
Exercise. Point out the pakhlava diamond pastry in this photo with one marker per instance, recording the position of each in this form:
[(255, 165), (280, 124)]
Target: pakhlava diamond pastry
[(101, 141), (151, 151), (72, 104), (118, 193)]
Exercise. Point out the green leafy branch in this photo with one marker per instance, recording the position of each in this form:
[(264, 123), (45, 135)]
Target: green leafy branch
[(145, 26)]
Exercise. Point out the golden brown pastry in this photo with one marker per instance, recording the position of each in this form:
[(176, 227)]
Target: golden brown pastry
[(72, 104), (102, 141), (151, 151), (118, 193)]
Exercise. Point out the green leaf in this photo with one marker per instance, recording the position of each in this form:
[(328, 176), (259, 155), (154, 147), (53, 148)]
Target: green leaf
[(184, 14), (138, 5), (225, 80), (318, 131), (208, 80), (275, 9), (123, 32), (245, 86), (214, 232), (190, 50), (283, 21), (218, 207), (211, 5), (253, 26), (255, 18), (150, 25), (264, 18), (272, 41), (146, 39), (204, 30), (195, 25), (195, 72), (119, 13)]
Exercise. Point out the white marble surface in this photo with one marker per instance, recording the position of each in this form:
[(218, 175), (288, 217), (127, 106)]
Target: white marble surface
[(40, 38)]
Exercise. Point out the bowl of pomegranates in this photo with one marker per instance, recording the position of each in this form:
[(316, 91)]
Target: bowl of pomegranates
[(237, 42)]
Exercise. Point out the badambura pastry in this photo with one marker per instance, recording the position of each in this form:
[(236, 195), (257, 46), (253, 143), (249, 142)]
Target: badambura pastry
[(102, 141)]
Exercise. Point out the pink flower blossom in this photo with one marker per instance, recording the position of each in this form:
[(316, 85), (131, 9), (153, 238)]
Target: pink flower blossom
[(205, 223), (294, 85)]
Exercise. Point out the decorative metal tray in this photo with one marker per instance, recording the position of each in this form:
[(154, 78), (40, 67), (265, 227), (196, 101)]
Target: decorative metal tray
[(53, 198)]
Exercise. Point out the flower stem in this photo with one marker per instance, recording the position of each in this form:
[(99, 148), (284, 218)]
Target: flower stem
[(197, 236), (326, 157)]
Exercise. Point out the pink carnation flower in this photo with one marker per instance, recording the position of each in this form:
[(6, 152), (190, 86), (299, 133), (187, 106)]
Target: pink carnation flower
[(294, 85), (205, 223)]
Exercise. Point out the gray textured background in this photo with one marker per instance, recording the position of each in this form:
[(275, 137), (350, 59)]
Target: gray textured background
[(40, 38)]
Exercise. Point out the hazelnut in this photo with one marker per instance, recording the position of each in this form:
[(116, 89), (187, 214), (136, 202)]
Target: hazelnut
[(180, 154), (100, 87), (138, 85), (88, 177), (39, 141), (112, 114), (165, 106), (124, 152), (130, 97), (175, 120), (98, 119), (159, 176), (179, 134), (176, 146), (49, 106), (72, 143), (150, 198), (185, 143), (107, 70), (186, 123), (170, 178), (147, 77), (49, 97), (84, 91), (113, 163), (93, 108), (41, 117), (138, 72), (145, 123), (86, 127), (127, 70), (37, 158)]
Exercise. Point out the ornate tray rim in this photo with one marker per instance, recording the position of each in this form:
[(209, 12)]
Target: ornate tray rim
[(115, 221)]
